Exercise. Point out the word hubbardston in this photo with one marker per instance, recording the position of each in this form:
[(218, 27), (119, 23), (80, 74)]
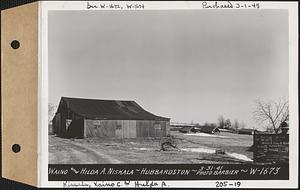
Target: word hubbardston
[(146, 171)]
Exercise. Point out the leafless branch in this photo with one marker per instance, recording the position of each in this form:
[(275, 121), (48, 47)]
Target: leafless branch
[(272, 113)]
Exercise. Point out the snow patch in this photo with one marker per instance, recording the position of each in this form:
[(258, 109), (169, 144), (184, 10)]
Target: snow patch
[(239, 156), (212, 151), (142, 148), (205, 135), (202, 150), (146, 149)]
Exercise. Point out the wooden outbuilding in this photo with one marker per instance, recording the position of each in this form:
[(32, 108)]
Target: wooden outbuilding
[(80, 118), (211, 129)]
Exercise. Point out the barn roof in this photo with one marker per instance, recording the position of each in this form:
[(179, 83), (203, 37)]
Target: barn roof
[(108, 109)]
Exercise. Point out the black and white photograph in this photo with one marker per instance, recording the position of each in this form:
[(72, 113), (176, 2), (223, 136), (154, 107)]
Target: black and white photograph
[(169, 87), (165, 86)]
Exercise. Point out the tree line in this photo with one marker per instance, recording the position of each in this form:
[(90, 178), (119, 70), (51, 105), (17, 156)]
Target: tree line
[(270, 116)]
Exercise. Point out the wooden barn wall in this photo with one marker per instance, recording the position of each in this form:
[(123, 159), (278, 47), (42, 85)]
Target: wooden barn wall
[(124, 128), (147, 128), (131, 133), (99, 128), (160, 129), (167, 128), (152, 129), (119, 129)]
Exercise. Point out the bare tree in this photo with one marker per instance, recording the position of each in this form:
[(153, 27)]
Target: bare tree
[(236, 124), (51, 111), (272, 113), (227, 124), (221, 121)]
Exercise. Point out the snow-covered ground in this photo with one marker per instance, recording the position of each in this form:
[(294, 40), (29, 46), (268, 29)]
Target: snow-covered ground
[(200, 150), (239, 156), (212, 151), (205, 135)]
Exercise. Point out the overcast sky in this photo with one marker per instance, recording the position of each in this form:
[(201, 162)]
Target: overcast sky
[(189, 65)]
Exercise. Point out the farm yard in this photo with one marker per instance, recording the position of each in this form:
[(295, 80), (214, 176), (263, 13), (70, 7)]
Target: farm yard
[(191, 148)]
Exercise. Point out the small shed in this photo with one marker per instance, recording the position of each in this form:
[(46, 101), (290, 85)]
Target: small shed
[(211, 129), (80, 118)]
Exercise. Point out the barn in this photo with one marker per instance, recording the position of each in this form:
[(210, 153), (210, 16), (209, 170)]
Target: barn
[(81, 118)]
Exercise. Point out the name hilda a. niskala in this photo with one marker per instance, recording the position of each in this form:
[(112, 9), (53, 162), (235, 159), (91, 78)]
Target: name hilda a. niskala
[(105, 171)]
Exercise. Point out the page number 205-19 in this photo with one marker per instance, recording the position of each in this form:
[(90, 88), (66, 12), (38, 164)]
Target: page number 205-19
[(221, 184)]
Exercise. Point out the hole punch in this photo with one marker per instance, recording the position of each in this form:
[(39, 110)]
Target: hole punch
[(15, 44), (16, 148)]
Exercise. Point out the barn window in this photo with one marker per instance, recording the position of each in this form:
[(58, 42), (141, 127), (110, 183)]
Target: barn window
[(157, 126), (97, 126), (97, 123), (68, 122)]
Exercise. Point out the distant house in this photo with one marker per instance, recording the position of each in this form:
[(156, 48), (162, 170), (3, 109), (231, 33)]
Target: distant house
[(190, 129), (80, 118), (246, 131), (185, 129), (209, 129), (196, 129)]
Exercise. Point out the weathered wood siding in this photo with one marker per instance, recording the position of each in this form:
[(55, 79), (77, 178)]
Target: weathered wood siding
[(167, 128), (110, 128), (132, 125), (125, 128), (99, 128), (147, 128)]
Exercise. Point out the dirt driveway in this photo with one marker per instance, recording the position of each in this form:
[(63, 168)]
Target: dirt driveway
[(66, 151)]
